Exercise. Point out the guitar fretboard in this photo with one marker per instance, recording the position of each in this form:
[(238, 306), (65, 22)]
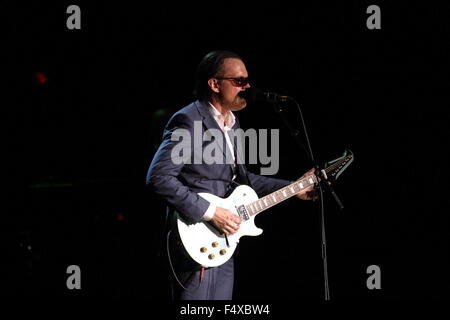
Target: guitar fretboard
[(280, 195)]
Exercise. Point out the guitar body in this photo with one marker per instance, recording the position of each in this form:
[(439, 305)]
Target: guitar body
[(204, 243), (211, 248)]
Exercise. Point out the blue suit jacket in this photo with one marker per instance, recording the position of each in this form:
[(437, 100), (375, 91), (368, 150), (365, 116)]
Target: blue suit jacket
[(178, 184)]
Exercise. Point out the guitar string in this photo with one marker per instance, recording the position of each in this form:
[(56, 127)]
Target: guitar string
[(334, 166), (330, 168), (274, 194)]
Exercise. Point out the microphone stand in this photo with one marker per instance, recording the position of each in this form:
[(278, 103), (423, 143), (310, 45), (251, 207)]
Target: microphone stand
[(323, 181)]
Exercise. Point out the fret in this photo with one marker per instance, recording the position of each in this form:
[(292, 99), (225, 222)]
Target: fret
[(279, 195)]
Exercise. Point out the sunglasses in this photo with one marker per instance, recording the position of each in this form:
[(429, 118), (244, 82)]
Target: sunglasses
[(237, 82)]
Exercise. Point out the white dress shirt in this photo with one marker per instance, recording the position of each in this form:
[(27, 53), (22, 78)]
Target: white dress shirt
[(225, 123)]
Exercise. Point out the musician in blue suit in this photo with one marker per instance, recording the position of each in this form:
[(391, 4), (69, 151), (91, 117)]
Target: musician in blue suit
[(178, 175)]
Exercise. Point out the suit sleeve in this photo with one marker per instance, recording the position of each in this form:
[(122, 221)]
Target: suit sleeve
[(264, 185), (163, 173)]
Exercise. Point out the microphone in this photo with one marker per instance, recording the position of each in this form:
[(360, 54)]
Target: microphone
[(253, 94)]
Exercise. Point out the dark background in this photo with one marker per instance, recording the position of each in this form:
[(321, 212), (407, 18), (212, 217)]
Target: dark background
[(83, 112)]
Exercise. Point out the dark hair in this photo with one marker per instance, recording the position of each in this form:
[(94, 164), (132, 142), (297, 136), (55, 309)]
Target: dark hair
[(209, 67)]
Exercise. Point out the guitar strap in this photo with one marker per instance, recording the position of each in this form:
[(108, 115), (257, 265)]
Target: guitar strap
[(241, 173)]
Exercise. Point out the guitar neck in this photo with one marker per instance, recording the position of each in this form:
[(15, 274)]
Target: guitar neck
[(280, 195)]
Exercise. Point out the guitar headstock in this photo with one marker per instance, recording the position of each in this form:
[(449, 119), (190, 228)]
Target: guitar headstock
[(334, 168)]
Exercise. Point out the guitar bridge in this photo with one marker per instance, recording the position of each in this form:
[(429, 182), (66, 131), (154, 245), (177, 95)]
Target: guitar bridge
[(242, 211)]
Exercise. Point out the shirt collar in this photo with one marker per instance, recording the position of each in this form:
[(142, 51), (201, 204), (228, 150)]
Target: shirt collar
[(219, 117)]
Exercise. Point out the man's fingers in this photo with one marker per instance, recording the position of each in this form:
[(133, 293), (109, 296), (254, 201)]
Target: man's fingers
[(232, 227), (231, 223), (229, 230), (234, 218)]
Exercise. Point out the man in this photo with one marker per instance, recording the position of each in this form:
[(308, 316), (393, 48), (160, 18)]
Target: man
[(220, 81)]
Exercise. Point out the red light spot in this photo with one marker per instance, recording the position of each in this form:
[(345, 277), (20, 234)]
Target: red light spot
[(120, 217), (40, 77)]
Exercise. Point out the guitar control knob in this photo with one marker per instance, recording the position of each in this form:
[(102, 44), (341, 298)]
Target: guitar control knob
[(203, 249), (211, 256), (215, 244), (223, 251)]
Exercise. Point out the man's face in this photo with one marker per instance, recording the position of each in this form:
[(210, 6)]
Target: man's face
[(229, 89)]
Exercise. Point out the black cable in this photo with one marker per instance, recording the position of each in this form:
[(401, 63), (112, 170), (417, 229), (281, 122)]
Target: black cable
[(173, 270)]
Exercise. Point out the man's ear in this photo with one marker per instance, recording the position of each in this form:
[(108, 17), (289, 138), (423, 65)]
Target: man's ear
[(214, 85)]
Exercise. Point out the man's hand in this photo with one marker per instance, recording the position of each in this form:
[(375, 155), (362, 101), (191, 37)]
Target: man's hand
[(226, 221), (310, 192)]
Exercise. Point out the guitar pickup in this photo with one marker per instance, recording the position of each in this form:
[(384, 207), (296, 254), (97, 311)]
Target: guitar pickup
[(242, 211)]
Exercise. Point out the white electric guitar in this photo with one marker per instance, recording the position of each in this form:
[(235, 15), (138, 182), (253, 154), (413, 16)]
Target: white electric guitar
[(210, 248)]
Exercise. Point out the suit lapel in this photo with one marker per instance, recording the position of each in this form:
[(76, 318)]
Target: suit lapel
[(239, 152), (210, 123), (208, 120)]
